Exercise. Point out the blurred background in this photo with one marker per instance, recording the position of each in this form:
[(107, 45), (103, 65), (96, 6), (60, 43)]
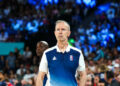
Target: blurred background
[(95, 26)]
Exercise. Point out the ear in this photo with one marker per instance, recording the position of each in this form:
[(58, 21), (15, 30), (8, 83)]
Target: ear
[(69, 34)]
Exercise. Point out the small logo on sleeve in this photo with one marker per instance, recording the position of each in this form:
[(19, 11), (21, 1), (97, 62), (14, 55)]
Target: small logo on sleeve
[(71, 58)]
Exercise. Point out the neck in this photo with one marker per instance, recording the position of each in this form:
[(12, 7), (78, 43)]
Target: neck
[(62, 45)]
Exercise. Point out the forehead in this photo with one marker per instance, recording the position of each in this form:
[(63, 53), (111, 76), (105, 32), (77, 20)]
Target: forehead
[(40, 44), (61, 25)]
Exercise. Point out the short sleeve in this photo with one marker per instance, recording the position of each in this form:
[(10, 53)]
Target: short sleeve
[(43, 67), (81, 66)]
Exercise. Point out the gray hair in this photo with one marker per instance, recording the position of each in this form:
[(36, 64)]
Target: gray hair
[(62, 21)]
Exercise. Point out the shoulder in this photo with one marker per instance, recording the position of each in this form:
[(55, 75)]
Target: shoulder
[(50, 49), (75, 49)]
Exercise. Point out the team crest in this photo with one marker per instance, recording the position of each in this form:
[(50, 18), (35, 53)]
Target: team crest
[(71, 58)]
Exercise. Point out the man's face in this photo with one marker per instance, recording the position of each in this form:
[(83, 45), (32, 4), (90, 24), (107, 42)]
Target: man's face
[(62, 32), (88, 82), (40, 48), (96, 79)]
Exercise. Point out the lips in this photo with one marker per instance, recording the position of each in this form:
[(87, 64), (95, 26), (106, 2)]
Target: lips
[(60, 36)]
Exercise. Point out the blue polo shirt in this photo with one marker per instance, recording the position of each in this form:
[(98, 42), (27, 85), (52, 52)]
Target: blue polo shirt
[(61, 67)]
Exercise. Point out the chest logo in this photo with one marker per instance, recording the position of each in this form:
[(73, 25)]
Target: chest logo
[(54, 58), (71, 58)]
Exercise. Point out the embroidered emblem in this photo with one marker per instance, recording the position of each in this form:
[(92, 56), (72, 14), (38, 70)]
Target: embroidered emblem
[(71, 58)]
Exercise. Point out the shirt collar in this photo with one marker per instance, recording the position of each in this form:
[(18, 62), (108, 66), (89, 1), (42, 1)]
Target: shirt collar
[(67, 49)]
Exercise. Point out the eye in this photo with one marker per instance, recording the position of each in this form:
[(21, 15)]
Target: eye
[(63, 29), (57, 29)]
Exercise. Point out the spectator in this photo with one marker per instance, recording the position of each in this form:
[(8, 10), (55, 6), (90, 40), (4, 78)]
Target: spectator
[(116, 81), (21, 70), (27, 55), (2, 62), (11, 61), (108, 78), (27, 77), (88, 81), (96, 80), (3, 36), (16, 52)]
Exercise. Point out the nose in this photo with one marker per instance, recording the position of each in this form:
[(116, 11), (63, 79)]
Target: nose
[(60, 32)]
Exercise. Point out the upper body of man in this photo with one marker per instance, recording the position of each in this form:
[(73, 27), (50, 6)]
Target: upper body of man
[(116, 81), (40, 48), (109, 75), (62, 61)]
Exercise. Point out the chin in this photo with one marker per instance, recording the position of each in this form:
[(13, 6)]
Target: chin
[(61, 40), (38, 54)]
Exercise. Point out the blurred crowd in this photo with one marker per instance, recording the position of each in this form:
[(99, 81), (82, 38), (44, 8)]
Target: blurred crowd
[(99, 41), (19, 19), (19, 70)]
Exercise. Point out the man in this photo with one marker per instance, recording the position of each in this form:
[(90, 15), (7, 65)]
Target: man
[(109, 75), (40, 48), (116, 81), (62, 61), (96, 80)]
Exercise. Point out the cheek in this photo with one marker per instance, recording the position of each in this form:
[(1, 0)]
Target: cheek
[(55, 33), (39, 50), (68, 34)]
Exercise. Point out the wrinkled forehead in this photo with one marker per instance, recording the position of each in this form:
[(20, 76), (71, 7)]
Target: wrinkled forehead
[(61, 25)]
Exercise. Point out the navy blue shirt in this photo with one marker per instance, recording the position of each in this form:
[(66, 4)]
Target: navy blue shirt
[(61, 67)]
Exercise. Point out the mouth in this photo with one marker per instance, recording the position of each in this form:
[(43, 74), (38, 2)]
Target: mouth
[(60, 36)]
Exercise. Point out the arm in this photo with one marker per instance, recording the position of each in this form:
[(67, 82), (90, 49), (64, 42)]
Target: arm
[(43, 68), (82, 78), (40, 78), (82, 70)]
